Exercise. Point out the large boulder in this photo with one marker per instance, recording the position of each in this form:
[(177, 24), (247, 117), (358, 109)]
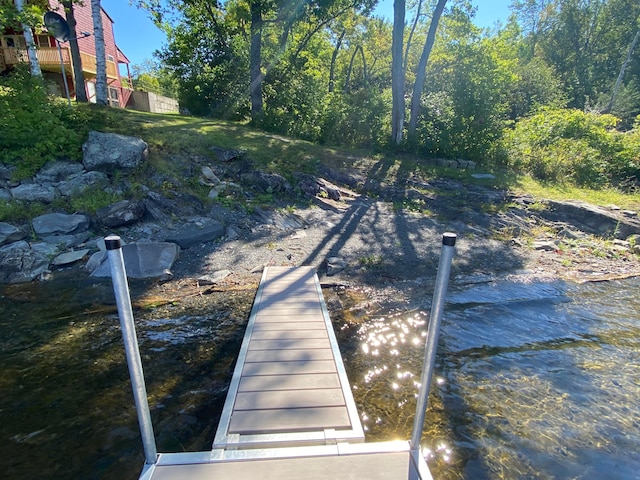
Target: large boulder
[(124, 212), (141, 260), (110, 152), (19, 264), (60, 224)]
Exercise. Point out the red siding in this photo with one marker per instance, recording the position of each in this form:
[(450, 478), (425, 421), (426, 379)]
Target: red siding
[(84, 23)]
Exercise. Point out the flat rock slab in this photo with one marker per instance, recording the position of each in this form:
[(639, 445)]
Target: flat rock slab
[(195, 235), (143, 260), (60, 224), (70, 257)]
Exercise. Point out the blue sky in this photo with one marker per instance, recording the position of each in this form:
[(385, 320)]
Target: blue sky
[(138, 37)]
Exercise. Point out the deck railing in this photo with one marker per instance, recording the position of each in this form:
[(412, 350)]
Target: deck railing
[(49, 57)]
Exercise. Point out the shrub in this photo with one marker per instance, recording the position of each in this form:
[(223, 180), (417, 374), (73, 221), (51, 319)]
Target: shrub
[(35, 127), (563, 145)]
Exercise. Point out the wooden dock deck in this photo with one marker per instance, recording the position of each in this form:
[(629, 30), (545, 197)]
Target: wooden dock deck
[(289, 412), (289, 386)]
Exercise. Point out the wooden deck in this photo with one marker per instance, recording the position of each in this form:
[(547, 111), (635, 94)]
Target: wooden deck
[(289, 386)]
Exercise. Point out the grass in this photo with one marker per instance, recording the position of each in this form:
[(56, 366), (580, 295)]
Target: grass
[(604, 197), (177, 143)]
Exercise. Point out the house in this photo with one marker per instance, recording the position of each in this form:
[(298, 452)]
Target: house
[(119, 88)]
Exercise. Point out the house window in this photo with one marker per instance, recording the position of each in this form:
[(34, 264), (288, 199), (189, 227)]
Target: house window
[(110, 58), (15, 41), (113, 97), (43, 40)]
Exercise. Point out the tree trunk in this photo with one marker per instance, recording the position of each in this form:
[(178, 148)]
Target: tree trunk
[(421, 70), (364, 68), (78, 75), (397, 72), (332, 71), (255, 61), (101, 56), (621, 75), (31, 46)]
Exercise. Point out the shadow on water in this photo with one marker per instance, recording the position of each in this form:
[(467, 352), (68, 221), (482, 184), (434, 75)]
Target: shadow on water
[(65, 396)]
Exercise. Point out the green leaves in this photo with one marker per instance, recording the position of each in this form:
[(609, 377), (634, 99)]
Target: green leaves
[(562, 145)]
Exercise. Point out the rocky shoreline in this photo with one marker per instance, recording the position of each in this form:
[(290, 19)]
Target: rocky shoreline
[(376, 239)]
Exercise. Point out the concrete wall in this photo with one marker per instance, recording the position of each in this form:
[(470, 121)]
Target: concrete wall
[(151, 102)]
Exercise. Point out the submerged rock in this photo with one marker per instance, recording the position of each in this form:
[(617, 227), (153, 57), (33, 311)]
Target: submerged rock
[(142, 260)]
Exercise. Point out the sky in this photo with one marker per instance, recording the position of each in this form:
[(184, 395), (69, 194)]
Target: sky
[(138, 37)]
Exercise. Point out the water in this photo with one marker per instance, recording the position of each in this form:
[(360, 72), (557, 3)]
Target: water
[(534, 380), (537, 380)]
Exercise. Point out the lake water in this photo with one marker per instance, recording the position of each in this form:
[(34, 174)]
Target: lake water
[(533, 380)]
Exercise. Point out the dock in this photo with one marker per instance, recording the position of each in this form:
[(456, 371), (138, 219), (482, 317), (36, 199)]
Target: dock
[(289, 411), (289, 386)]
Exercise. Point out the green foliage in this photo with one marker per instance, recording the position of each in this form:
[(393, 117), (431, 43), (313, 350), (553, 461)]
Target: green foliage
[(92, 199), (16, 211), (571, 146), (31, 14), (36, 127), (356, 119)]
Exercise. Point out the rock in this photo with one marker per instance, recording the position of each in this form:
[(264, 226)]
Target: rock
[(193, 235), (19, 264), (110, 152), (209, 175), (482, 175), (60, 224), (335, 265), (280, 220), (5, 195), (215, 277), (58, 171), (46, 249), (10, 234), (6, 172), (545, 245), (124, 212), (143, 260), (267, 182), (225, 155), (70, 257), (80, 183), (95, 260), (592, 219), (66, 241), (34, 192)]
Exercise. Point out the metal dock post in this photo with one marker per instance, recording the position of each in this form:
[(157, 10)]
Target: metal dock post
[(431, 345), (125, 313)]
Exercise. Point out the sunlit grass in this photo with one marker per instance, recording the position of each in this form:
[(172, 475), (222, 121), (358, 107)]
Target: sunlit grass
[(604, 197)]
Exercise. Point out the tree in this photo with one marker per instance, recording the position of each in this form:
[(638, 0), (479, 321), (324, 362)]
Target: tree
[(534, 17), (78, 75), (621, 74), (31, 47), (397, 72), (421, 69), (255, 60), (101, 57)]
